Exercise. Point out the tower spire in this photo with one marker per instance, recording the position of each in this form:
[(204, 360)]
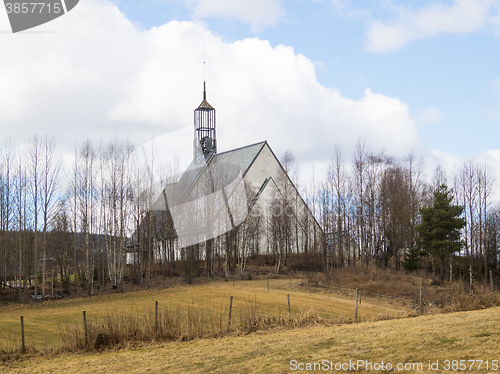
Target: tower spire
[(204, 142)]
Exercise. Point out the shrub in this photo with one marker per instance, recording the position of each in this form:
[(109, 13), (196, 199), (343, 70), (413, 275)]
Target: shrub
[(180, 325)]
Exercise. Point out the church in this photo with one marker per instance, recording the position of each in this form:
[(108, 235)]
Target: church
[(231, 205)]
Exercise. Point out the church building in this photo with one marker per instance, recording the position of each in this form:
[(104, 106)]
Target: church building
[(231, 205)]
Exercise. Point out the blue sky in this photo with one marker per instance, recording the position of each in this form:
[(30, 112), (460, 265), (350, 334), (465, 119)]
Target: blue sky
[(452, 72), (420, 76)]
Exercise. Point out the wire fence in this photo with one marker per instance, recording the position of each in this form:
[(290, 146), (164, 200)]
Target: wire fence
[(419, 299)]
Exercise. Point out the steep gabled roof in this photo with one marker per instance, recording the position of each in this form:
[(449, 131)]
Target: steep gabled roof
[(217, 185), (242, 157), (198, 176), (220, 170)]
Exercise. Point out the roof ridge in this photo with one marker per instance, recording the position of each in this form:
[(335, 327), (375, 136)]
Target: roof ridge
[(240, 148)]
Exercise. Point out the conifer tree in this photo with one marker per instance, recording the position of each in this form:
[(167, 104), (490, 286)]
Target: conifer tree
[(411, 261), (439, 232)]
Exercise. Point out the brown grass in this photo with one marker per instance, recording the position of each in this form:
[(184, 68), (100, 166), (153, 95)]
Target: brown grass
[(177, 325), (201, 311), (126, 318), (399, 286), (463, 298), (454, 336)]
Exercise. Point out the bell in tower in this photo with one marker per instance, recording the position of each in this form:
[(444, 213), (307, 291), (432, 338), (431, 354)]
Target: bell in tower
[(204, 142)]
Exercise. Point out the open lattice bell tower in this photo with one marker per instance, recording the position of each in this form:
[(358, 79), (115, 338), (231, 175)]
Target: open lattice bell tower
[(205, 141)]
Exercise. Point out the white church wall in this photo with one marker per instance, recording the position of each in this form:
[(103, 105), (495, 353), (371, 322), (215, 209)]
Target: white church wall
[(303, 228)]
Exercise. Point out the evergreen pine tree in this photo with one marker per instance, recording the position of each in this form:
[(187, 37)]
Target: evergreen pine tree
[(411, 261), (439, 233)]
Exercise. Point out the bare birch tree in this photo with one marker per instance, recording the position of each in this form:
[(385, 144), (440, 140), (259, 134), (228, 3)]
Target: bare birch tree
[(49, 179), (6, 208), (360, 162), (86, 192), (34, 149)]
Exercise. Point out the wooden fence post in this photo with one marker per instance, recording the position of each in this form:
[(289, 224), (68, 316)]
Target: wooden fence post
[(288, 298), (356, 310), (421, 304), (451, 271), (23, 347), (310, 287), (85, 327), (156, 316), (230, 309), (268, 284), (470, 278)]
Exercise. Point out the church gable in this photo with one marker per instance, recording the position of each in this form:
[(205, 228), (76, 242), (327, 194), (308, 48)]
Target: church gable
[(264, 165), (241, 192)]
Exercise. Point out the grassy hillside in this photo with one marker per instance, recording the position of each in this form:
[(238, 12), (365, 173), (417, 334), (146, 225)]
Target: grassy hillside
[(457, 336), (44, 321)]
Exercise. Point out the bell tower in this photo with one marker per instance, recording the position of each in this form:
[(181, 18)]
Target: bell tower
[(204, 142)]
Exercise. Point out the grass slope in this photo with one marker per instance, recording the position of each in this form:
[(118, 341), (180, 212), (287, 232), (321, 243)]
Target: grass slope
[(43, 321), (456, 336)]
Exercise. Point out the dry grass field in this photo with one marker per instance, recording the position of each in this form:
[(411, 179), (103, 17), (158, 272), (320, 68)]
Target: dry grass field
[(327, 336), (471, 335), (45, 321)]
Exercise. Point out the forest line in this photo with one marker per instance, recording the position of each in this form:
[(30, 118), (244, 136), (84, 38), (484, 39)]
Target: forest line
[(89, 223)]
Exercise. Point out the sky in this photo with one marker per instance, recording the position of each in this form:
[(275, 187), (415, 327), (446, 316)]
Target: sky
[(405, 76)]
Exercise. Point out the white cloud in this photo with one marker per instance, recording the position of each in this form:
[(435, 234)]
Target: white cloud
[(495, 23), (429, 115), (257, 13), (260, 92), (99, 74), (344, 8), (451, 164), (448, 162), (64, 82), (462, 16)]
